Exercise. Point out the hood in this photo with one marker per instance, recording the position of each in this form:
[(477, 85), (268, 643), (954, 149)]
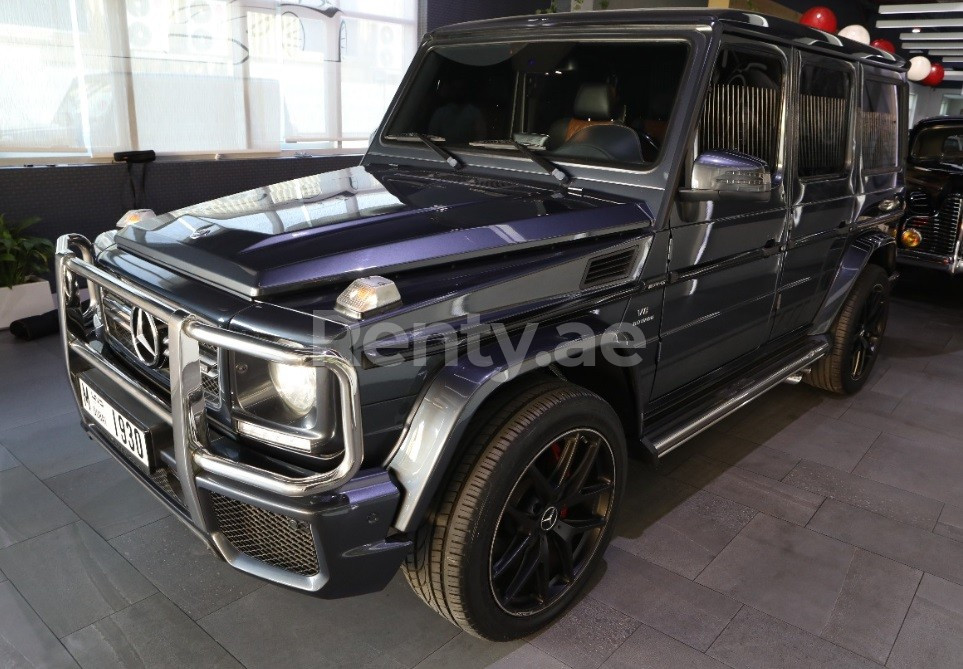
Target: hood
[(936, 177), (368, 220)]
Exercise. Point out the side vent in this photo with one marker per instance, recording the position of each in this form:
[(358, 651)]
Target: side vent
[(609, 267)]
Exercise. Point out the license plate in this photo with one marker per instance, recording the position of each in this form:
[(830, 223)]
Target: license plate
[(125, 433)]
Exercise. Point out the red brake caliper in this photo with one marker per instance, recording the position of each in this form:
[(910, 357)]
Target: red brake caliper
[(557, 454)]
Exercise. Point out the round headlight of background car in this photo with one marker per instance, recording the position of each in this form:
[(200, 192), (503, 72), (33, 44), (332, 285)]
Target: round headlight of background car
[(296, 386), (911, 238)]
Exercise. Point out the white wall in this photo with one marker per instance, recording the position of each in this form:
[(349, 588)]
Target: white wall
[(928, 102)]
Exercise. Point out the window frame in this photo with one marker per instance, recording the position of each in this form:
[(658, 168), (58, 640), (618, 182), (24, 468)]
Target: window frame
[(785, 57), (901, 131), (659, 34), (805, 59)]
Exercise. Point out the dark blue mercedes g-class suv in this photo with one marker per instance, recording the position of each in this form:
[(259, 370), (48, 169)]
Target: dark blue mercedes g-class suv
[(574, 237)]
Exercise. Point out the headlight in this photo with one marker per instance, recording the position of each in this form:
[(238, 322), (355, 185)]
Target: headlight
[(289, 406), (297, 386)]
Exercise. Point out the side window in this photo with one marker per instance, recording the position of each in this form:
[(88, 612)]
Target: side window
[(879, 125), (743, 107), (953, 146), (824, 96)]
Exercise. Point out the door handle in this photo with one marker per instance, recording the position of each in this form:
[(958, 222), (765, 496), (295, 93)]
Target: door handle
[(770, 248)]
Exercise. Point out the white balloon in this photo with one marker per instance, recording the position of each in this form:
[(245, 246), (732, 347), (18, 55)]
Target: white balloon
[(919, 68), (855, 32)]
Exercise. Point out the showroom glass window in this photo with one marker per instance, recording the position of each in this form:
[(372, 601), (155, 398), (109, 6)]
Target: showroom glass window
[(879, 124), (545, 95), (824, 95), (86, 78)]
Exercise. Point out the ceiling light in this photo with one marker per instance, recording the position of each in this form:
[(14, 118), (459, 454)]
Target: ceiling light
[(920, 23), (934, 46), (929, 8), (915, 35), (942, 53)]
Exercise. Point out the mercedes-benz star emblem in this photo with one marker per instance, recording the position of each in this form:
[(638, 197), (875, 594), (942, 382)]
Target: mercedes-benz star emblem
[(549, 518), (203, 231), (146, 337)]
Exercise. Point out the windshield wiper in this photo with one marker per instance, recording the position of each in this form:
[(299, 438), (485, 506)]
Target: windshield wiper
[(561, 175), (432, 143)]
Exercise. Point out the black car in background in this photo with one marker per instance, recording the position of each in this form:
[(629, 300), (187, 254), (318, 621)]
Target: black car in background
[(573, 237), (930, 234)]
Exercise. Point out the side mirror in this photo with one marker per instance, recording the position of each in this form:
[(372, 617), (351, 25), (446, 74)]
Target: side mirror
[(728, 175)]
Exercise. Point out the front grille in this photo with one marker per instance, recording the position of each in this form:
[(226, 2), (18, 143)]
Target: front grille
[(918, 202), (270, 537), (944, 233), (117, 321)]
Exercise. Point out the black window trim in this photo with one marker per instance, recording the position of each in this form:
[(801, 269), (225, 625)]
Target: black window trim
[(901, 132), (812, 58)]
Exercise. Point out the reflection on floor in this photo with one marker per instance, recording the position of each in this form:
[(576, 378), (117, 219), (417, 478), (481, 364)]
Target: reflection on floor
[(808, 530)]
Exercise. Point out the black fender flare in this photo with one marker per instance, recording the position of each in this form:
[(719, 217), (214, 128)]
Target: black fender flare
[(870, 247), (438, 421)]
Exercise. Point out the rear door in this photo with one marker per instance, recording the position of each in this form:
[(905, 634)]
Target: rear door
[(724, 259), (821, 165)]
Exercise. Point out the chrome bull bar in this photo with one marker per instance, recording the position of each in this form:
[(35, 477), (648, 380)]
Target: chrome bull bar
[(186, 412)]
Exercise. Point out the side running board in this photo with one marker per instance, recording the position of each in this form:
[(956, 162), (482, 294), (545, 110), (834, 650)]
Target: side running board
[(666, 437)]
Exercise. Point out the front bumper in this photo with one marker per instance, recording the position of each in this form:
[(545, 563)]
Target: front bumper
[(326, 533), (949, 264)]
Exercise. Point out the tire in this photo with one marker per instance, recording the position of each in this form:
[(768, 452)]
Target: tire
[(489, 510), (857, 333)]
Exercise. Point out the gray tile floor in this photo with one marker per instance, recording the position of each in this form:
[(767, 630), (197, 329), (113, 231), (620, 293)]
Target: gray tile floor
[(808, 530)]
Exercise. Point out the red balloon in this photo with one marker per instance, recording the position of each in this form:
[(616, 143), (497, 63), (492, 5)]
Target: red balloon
[(936, 75), (884, 45), (820, 18)]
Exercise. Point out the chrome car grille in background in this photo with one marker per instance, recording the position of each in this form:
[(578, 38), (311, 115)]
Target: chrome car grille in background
[(946, 227), (117, 321), (918, 202), (277, 540)]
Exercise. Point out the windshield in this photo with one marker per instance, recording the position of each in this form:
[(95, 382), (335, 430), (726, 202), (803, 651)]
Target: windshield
[(599, 102), (940, 143)]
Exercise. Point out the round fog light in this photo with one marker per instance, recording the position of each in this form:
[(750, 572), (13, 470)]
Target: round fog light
[(911, 238)]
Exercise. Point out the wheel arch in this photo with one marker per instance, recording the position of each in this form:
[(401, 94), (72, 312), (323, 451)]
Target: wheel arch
[(458, 394), (869, 248)]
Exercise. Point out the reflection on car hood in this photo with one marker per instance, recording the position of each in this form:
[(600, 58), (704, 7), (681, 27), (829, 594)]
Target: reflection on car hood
[(366, 220)]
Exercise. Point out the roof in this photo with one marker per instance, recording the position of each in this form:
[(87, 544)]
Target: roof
[(761, 24), (938, 120)]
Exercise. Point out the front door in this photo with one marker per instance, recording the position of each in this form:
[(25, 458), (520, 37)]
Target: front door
[(724, 260)]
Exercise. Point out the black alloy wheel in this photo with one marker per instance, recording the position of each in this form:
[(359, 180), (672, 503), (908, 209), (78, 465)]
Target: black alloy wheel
[(552, 523), (857, 334), (527, 512), (871, 324)]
